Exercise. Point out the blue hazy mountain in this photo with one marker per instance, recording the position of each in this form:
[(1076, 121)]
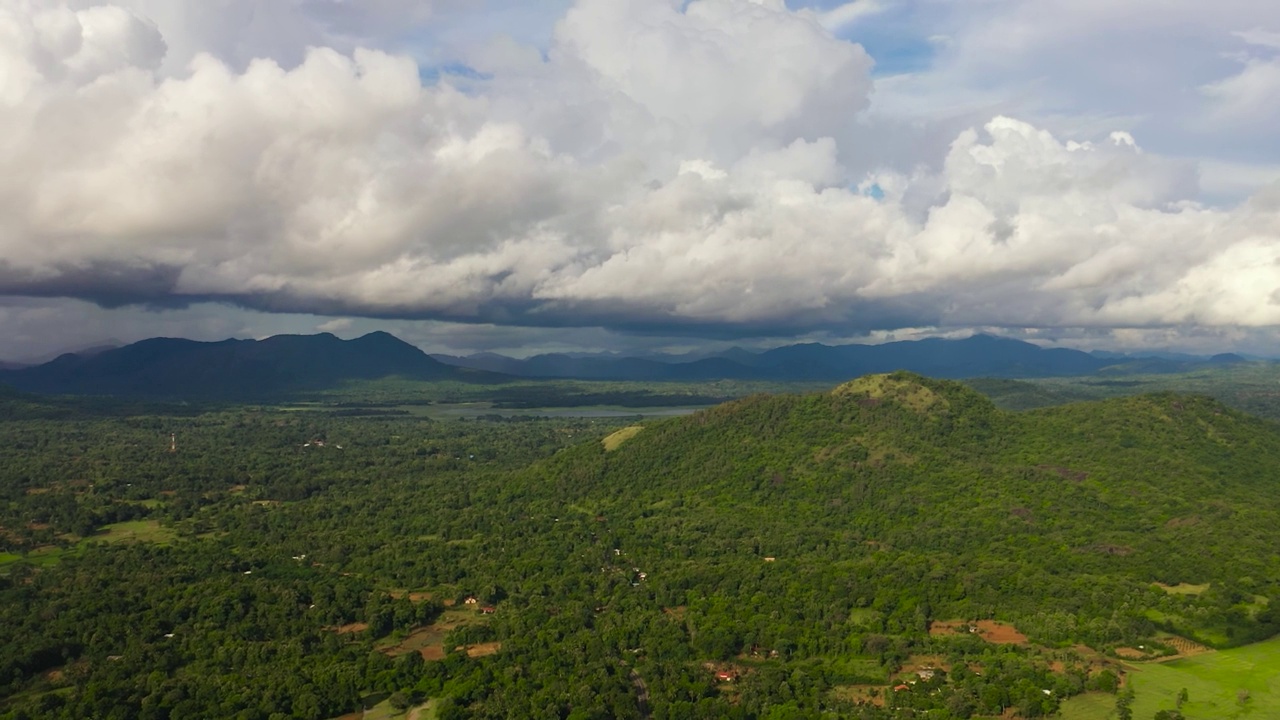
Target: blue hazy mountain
[(977, 356)]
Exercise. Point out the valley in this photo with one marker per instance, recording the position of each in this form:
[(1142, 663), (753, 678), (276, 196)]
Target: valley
[(893, 547)]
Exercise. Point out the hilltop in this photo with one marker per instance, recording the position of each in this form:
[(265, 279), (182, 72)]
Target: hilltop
[(1011, 513)]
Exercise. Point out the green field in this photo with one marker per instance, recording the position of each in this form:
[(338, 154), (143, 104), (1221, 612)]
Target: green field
[(614, 441), (1090, 706), (148, 531), (384, 711), (136, 531), (1213, 683), (47, 556)]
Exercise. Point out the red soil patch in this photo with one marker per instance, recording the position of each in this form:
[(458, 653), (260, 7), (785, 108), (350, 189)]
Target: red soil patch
[(989, 630), (37, 526), (943, 628), (352, 628), (1000, 633), (1129, 653), (432, 652), (676, 612)]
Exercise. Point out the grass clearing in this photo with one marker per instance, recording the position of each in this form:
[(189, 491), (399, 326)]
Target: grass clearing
[(1213, 682), (863, 616), (873, 694), (1183, 588), (47, 556), (384, 711), (428, 641), (614, 441), (149, 531), (42, 557), (1089, 706)]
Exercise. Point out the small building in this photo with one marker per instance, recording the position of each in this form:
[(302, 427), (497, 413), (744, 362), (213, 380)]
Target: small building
[(727, 675), (471, 600), (926, 673), (488, 610), (900, 688)]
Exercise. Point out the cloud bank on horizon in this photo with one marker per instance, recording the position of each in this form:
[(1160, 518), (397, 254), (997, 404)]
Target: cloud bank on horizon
[(715, 167)]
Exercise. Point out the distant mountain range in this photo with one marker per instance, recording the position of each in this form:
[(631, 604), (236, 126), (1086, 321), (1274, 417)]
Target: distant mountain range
[(977, 356), (176, 368), (238, 369)]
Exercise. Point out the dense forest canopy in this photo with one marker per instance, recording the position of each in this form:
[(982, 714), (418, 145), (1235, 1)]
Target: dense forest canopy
[(865, 552)]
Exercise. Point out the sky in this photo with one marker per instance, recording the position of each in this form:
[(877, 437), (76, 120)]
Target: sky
[(632, 175)]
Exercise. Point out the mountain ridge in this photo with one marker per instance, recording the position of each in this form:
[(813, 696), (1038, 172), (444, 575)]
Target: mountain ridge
[(980, 355), (238, 369), (233, 368)]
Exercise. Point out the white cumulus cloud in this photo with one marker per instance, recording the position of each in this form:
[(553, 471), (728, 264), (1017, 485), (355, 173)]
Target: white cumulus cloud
[(660, 164)]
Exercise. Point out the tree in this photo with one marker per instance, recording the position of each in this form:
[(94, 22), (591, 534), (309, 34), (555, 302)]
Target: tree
[(1124, 705)]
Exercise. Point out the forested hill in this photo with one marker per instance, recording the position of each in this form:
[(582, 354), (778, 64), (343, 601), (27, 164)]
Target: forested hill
[(975, 510), (233, 369)]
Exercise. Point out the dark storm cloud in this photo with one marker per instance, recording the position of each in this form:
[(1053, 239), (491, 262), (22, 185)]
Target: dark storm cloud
[(106, 284)]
